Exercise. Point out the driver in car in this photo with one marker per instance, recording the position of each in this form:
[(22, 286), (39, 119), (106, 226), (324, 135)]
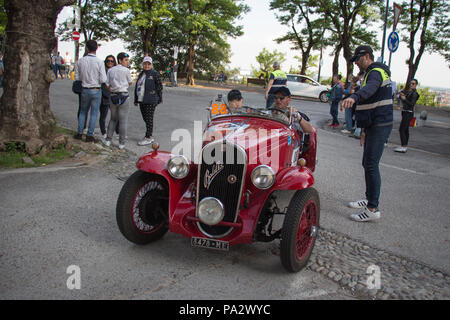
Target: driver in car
[(282, 102)]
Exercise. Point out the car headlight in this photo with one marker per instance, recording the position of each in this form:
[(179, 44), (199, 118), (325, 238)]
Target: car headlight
[(178, 167), (263, 177), (210, 211)]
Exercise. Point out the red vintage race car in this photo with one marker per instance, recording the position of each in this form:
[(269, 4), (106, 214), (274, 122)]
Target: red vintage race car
[(226, 197)]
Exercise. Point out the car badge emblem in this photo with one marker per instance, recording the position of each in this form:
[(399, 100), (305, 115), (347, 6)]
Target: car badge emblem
[(209, 177), (232, 179)]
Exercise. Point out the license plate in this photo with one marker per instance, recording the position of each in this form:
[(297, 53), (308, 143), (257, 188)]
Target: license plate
[(210, 244)]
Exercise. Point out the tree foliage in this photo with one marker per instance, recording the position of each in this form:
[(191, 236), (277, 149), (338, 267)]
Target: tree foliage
[(425, 27), (266, 59), (307, 27), (349, 21)]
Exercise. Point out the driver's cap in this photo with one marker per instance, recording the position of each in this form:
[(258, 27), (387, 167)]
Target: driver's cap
[(284, 90)]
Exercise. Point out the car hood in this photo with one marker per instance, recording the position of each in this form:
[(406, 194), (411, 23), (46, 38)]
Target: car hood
[(260, 138)]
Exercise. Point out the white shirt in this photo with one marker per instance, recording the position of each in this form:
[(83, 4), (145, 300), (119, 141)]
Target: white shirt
[(91, 71), (118, 79)]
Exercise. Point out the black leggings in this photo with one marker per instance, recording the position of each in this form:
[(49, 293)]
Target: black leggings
[(404, 127), (147, 111)]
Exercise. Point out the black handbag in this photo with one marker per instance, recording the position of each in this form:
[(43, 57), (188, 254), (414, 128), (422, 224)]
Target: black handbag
[(77, 87)]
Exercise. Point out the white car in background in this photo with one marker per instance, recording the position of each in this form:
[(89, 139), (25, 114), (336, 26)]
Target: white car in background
[(304, 86)]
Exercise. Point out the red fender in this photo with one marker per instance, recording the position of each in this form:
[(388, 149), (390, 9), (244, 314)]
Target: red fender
[(155, 162), (294, 178)]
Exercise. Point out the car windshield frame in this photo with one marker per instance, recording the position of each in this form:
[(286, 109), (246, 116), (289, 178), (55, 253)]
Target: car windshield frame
[(252, 112)]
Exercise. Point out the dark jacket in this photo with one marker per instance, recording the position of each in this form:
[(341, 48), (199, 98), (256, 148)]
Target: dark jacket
[(374, 98), (410, 101), (336, 93), (153, 88)]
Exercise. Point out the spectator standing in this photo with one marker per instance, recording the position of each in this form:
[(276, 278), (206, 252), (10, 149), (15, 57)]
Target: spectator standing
[(348, 90), (91, 71), (220, 77), (277, 79), (58, 65), (148, 94), (335, 98), (409, 100), (374, 113), (167, 74), (68, 65), (174, 73), (110, 61), (118, 81)]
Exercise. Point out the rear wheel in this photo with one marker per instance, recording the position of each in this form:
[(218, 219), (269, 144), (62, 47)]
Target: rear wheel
[(300, 228), (142, 208), (323, 97)]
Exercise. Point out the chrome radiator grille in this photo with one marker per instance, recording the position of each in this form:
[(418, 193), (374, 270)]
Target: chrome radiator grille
[(221, 175)]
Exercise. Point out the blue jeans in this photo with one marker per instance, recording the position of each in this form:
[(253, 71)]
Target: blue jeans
[(334, 112), (90, 99), (373, 150), (348, 119)]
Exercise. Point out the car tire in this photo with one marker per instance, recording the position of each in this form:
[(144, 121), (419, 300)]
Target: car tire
[(142, 208), (300, 228), (323, 96)]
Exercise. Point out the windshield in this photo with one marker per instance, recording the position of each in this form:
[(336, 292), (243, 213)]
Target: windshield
[(219, 110)]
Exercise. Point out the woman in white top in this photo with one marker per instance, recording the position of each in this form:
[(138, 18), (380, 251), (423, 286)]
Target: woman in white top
[(118, 81)]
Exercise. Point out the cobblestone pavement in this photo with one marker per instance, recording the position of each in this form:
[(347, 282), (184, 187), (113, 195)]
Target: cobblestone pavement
[(350, 263)]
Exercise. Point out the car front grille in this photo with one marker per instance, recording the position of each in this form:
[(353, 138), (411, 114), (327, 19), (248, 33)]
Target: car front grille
[(222, 179)]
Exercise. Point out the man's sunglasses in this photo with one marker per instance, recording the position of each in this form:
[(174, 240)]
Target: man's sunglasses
[(280, 98), (358, 57)]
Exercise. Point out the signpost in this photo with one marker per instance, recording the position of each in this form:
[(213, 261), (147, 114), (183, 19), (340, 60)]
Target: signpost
[(75, 35), (394, 39)]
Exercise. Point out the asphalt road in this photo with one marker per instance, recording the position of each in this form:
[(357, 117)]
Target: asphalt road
[(61, 218)]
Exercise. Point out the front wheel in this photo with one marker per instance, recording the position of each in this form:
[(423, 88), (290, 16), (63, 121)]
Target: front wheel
[(323, 96), (300, 228), (142, 208)]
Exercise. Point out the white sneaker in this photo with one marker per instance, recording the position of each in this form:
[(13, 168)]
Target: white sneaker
[(121, 146), (365, 214), (106, 142), (358, 204), (104, 136), (401, 149), (345, 131), (146, 141)]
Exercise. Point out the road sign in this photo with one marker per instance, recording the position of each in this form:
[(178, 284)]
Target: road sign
[(393, 41), (75, 35), (397, 11)]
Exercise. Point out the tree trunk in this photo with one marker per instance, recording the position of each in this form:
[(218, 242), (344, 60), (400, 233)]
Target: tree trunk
[(335, 67), (25, 104), (190, 74)]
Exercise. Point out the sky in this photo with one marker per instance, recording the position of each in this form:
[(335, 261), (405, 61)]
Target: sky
[(261, 27)]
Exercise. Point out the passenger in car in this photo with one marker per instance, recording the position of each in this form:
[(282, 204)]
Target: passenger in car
[(282, 101), (234, 100)]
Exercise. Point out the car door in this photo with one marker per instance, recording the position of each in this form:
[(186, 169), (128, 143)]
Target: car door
[(310, 87), (293, 84)]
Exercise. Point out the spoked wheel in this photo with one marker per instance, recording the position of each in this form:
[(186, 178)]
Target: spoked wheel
[(300, 229), (142, 208)]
